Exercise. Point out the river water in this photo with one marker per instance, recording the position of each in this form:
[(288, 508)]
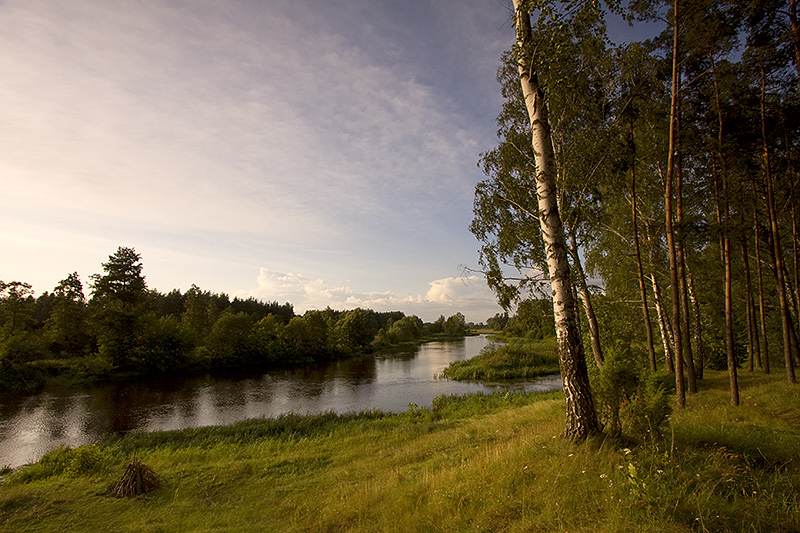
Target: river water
[(30, 426)]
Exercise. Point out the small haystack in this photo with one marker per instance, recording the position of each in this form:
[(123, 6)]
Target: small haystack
[(137, 479)]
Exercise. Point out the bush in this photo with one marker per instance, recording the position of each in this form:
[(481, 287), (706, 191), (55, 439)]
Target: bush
[(648, 410), (630, 399), (63, 460)]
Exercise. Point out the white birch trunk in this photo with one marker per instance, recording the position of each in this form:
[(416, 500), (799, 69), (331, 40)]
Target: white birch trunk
[(581, 419)]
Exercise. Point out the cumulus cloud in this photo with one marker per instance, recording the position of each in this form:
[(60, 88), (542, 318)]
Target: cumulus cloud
[(468, 295)]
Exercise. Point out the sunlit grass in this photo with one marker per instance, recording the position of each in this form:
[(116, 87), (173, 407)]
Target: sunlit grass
[(484, 462), (519, 359)]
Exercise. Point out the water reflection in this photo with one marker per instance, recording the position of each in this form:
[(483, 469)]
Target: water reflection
[(30, 426)]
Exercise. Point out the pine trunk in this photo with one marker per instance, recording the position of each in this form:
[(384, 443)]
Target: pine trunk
[(777, 252), (581, 419), (680, 391), (795, 236), (726, 250), (752, 329), (761, 304), (687, 343)]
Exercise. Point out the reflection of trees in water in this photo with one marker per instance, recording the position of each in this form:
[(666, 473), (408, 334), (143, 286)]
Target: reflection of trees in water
[(230, 393), (124, 406), (357, 371), (76, 417), (315, 380), (11, 404)]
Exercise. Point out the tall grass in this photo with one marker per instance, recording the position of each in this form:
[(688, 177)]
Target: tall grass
[(483, 462), (519, 359)]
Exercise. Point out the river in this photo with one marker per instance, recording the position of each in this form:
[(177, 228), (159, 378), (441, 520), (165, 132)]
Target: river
[(32, 425)]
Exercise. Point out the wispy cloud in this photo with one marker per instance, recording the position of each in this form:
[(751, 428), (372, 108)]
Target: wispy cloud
[(333, 138)]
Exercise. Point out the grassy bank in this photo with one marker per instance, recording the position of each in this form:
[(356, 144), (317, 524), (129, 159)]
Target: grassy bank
[(484, 462), (518, 359)]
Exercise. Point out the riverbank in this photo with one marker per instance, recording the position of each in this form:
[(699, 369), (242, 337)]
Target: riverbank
[(517, 359), (33, 376), (481, 462)]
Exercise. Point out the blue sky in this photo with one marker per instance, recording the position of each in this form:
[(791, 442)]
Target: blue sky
[(320, 152)]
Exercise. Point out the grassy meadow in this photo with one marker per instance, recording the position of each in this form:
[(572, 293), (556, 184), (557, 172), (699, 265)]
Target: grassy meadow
[(476, 463), (517, 359)]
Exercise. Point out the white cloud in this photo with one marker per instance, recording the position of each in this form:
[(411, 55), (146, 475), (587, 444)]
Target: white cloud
[(468, 295)]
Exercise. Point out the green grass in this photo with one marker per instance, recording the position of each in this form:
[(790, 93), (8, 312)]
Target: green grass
[(482, 462), (519, 359)]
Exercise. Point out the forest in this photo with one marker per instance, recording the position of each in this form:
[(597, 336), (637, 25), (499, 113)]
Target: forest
[(125, 328), (652, 184)]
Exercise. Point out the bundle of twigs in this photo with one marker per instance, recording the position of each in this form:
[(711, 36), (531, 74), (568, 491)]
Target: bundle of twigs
[(137, 479)]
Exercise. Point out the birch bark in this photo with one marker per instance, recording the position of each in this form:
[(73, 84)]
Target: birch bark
[(581, 419)]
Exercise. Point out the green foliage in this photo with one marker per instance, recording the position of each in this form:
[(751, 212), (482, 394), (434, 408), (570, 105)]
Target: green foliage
[(533, 320), (497, 322), (355, 330), (20, 347), (127, 329), (516, 360), (67, 326), (123, 280), (71, 462), (166, 345), (231, 340), (455, 325), (118, 305), (631, 400), (408, 329), (16, 307)]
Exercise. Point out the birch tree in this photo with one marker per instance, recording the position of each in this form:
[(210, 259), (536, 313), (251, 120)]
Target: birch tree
[(581, 419)]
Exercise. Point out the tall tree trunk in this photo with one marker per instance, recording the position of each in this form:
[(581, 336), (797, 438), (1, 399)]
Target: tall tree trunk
[(777, 252), (753, 348), (637, 250), (688, 358), (680, 391), (729, 346), (793, 205), (761, 304), (586, 300), (753, 341), (698, 330), (726, 248), (581, 418)]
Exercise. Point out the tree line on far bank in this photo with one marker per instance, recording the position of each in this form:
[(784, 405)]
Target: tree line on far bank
[(124, 327)]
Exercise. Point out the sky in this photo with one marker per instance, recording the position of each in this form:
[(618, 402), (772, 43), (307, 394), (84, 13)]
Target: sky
[(316, 152)]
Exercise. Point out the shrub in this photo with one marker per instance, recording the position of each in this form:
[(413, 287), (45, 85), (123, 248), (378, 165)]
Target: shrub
[(63, 460), (630, 399), (85, 460)]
